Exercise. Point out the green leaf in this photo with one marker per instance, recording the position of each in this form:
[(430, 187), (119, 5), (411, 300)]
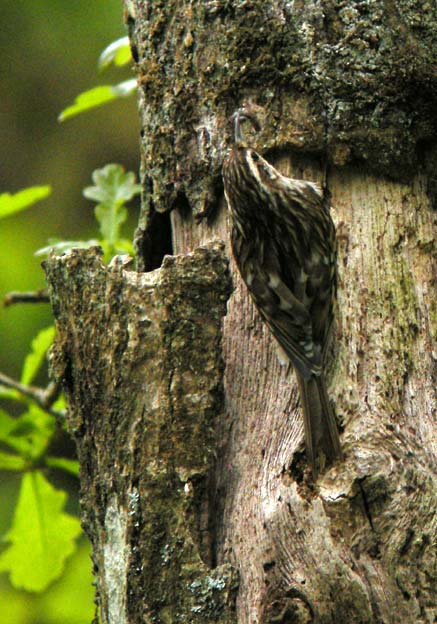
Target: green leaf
[(40, 345), (97, 97), (112, 185), (28, 434), (42, 535), (71, 599), (60, 405), (112, 188), (11, 462), (10, 204), (11, 394), (117, 52), (7, 424), (60, 247), (110, 220), (88, 99), (125, 88), (124, 246), (62, 463)]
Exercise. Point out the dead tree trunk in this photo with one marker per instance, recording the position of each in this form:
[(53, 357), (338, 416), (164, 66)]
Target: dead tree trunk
[(197, 501)]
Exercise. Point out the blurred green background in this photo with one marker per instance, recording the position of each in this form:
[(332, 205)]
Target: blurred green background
[(49, 55)]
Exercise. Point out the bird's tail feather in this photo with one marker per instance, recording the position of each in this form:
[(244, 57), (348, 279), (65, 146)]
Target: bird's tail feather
[(322, 441)]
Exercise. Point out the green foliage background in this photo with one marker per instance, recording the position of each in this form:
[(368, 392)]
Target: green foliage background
[(50, 51)]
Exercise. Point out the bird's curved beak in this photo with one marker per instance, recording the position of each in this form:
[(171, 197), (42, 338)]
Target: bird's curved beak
[(240, 115), (237, 117)]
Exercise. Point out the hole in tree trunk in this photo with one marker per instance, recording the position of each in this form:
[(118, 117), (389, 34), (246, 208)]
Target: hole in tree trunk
[(155, 241)]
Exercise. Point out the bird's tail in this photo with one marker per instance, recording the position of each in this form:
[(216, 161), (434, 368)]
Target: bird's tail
[(321, 434)]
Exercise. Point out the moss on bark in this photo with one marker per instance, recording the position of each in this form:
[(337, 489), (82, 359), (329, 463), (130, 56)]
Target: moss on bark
[(139, 357), (355, 81)]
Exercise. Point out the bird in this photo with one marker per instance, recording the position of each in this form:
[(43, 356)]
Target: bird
[(284, 244)]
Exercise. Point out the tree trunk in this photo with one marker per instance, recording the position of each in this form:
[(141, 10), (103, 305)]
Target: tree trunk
[(195, 489)]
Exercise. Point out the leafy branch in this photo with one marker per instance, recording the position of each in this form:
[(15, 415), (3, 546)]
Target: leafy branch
[(112, 189), (118, 53), (42, 535)]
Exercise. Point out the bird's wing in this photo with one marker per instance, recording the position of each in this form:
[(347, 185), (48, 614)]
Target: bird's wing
[(289, 279), (287, 317), (290, 322)]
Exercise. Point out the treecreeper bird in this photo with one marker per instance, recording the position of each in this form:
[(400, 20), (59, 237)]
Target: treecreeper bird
[(283, 241)]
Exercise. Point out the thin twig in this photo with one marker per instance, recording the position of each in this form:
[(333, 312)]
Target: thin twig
[(43, 397), (32, 296)]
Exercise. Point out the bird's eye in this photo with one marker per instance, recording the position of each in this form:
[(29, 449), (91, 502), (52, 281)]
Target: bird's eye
[(255, 156)]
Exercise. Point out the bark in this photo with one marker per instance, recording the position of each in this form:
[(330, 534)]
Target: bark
[(140, 361), (182, 496)]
